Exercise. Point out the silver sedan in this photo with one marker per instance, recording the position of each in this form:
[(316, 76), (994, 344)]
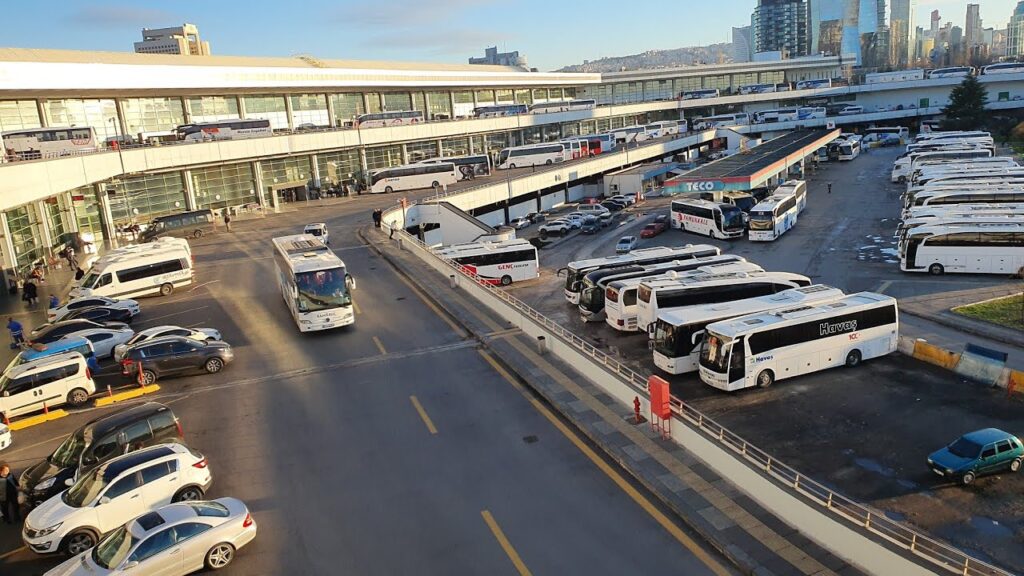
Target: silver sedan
[(104, 339)]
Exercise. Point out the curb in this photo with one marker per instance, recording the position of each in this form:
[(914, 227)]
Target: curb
[(127, 395), (37, 420), (967, 326)]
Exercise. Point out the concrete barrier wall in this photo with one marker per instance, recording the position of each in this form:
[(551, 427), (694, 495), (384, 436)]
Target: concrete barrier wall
[(932, 354)]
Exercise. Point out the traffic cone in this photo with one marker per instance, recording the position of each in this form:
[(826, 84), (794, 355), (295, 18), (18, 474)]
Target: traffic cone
[(109, 391), (46, 409), (141, 380)]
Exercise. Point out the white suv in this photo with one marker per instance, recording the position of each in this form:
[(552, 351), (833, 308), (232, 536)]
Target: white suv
[(114, 493), (50, 380)]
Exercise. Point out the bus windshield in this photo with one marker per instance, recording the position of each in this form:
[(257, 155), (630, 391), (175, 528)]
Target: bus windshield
[(592, 299), (714, 353), (732, 218), (744, 203), (665, 339), (503, 156), (322, 290)]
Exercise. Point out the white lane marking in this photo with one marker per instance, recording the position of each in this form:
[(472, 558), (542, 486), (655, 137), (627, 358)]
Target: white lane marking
[(148, 320)]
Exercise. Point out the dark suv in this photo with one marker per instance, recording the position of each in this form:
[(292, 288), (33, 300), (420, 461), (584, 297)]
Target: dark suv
[(170, 355), (96, 442)]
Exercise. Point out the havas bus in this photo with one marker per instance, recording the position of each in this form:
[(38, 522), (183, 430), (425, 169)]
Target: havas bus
[(562, 106), (621, 296), (594, 284), (656, 296), (760, 349), (236, 129), (678, 332), (495, 262), (576, 271), (964, 247), (314, 283)]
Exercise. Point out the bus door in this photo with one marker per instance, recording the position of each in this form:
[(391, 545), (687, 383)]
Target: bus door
[(738, 360)]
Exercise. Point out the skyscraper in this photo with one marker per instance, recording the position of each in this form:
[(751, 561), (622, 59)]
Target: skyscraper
[(781, 25), (901, 33), (859, 27), (1015, 32), (936, 22), (972, 32), (742, 44)]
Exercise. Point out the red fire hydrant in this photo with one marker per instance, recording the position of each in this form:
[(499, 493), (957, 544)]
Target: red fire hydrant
[(636, 409)]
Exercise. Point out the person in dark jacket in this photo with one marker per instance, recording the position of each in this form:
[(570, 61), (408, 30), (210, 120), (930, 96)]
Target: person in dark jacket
[(30, 293), (8, 495)]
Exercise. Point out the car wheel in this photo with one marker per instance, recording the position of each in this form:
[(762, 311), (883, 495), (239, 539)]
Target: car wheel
[(220, 556), (936, 270), (148, 377), (506, 280), (967, 478), (388, 189), (214, 365), (77, 397), (197, 234), (1015, 465), (902, 179), (853, 358), (188, 494), (78, 542), (166, 289), (765, 379)]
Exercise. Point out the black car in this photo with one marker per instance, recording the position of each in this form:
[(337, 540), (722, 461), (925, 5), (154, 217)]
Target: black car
[(171, 355), (591, 227), (96, 442), (52, 332), (536, 217), (613, 205), (101, 314)]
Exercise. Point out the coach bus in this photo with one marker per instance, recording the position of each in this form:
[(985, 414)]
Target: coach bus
[(500, 110), (722, 120), (849, 149), (495, 262), (596, 143), (774, 217), (721, 221), (967, 247), (576, 271), (904, 166), (758, 349), (314, 283), (812, 84), (564, 106), (887, 134), (678, 333), (532, 155), (36, 143), (413, 176), (953, 72), (382, 119), (469, 167), (700, 94), (757, 89), (224, 130)]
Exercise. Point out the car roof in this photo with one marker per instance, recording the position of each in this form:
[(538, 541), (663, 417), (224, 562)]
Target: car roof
[(162, 340), (316, 225), (45, 361), (170, 515), (117, 466), (101, 426), (987, 435), (155, 329)]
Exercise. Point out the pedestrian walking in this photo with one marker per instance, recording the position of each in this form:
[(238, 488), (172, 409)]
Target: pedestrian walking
[(8, 495), (54, 301), (79, 274), (377, 214), (30, 293), (392, 233), (69, 255), (17, 333), (227, 220), (829, 187)]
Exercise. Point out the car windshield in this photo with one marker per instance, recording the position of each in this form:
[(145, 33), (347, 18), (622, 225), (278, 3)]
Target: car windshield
[(315, 231), (114, 548), (964, 448), (90, 280), (322, 290), (66, 455), (85, 490)]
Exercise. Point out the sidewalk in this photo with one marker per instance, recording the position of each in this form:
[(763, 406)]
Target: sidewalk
[(755, 540), (58, 282)]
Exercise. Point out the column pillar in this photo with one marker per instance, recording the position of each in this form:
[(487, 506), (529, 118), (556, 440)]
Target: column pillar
[(10, 261), (106, 217), (121, 122), (186, 110), (44, 225), (241, 107), (261, 190), (190, 191), (330, 111), (366, 102), (451, 97), (405, 154), (364, 177), (316, 169), (41, 110), (288, 111)]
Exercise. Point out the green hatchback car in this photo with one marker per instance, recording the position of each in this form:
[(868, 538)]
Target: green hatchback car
[(976, 453)]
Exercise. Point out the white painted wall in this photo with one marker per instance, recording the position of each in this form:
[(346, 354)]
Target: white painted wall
[(551, 200), (522, 209)]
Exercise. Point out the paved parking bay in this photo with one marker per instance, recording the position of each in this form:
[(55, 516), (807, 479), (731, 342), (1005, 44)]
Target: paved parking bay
[(866, 431), (390, 447)]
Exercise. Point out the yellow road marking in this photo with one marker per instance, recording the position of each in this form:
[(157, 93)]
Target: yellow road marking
[(423, 414), (356, 307), (12, 552), (37, 419), (612, 474), (379, 345), (499, 535)]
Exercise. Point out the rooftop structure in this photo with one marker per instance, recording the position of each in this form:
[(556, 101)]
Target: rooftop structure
[(181, 40)]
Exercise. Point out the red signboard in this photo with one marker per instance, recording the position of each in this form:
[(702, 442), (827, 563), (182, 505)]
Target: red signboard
[(660, 395)]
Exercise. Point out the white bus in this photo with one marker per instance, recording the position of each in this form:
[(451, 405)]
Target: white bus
[(757, 89), (811, 112), (896, 76), (812, 84), (664, 128), (596, 143), (656, 296), (468, 167), (630, 134), (955, 164), (997, 195), (974, 248), (678, 333), (700, 94), (797, 188), (159, 269), (564, 106), (37, 143), (314, 283), (594, 284), (758, 349), (904, 166), (224, 130), (621, 305), (773, 217), (1004, 68), (500, 110), (779, 115), (382, 119), (964, 209), (851, 110), (495, 262), (953, 72), (413, 176), (706, 218), (978, 142), (531, 155), (961, 172), (886, 134), (576, 271), (951, 135), (946, 218), (722, 120), (849, 148)]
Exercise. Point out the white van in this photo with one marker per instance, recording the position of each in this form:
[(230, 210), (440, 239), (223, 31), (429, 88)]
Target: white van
[(137, 274), (591, 209), (53, 380)]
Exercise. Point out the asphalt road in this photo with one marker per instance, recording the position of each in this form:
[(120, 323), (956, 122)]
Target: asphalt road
[(867, 431), (390, 447)]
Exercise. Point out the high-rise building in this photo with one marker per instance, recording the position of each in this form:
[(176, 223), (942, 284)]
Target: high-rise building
[(1015, 32), (182, 39), (901, 32), (781, 26), (494, 58), (936, 22), (859, 27), (742, 44), (972, 31), (998, 43)]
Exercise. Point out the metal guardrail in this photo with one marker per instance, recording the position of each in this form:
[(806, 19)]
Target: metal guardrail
[(875, 521)]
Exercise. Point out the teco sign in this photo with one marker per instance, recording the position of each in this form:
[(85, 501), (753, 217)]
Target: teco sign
[(705, 186)]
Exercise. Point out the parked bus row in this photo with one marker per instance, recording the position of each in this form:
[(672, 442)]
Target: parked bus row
[(725, 216)]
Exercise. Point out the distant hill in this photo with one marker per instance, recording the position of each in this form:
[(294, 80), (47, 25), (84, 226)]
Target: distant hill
[(713, 54)]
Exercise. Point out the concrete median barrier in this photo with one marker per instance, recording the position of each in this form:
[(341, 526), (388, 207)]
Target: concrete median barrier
[(935, 355), (42, 418), (127, 395)]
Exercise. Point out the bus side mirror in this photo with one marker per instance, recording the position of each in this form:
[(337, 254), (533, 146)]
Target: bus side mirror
[(350, 282)]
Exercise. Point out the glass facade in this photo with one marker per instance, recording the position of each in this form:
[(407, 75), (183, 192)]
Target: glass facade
[(139, 200), (422, 150), (346, 108), (455, 147), (309, 109), (18, 114), (504, 96), (284, 173), (540, 94), (270, 108), (335, 167), (100, 114), (373, 102), (26, 236), (212, 108), (383, 156), (419, 102), (394, 101), (56, 214), (484, 97), (524, 97), (439, 105), (87, 212), (146, 115), (220, 186)]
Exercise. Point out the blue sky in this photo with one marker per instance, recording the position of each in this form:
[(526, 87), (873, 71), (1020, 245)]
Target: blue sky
[(550, 33)]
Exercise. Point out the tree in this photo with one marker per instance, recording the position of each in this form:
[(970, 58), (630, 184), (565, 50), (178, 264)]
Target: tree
[(966, 109)]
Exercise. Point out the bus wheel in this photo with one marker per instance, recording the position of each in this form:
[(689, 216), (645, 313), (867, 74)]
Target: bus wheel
[(511, 166), (853, 358), (765, 379), (166, 289), (506, 280), (435, 184), (548, 162), (197, 234), (388, 189), (936, 270)]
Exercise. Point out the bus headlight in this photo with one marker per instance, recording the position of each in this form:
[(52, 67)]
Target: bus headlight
[(305, 321)]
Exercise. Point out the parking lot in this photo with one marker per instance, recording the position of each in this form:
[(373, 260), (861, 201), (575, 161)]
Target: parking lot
[(867, 431)]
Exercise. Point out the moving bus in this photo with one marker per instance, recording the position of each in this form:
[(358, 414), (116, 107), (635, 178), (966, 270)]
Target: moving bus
[(596, 143), (722, 120), (812, 84), (811, 112), (849, 148), (758, 349), (382, 119), (779, 115), (495, 262), (757, 88), (565, 106), (224, 130), (712, 219), (975, 248), (664, 128), (886, 134), (413, 176), (773, 217), (575, 271), (314, 283), (501, 110), (678, 333), (531, 155), (621, 308), (36, 143), (656, 296), (700, 94), (904, 166), (594, 284), (1004, 68), (468, 167), (954, 72)]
